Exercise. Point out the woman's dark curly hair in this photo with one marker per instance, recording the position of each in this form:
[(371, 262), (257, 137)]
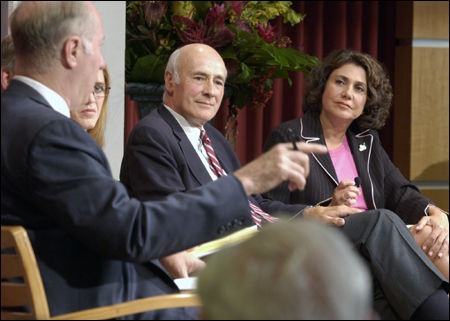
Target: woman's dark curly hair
[(379, 92)]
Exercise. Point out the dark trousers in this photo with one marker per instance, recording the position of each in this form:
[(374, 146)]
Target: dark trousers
[(403, 275)]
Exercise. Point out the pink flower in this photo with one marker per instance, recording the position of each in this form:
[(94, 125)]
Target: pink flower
[(237, 6), (267, 33), (201, 33), (215, 13), (241, 25), (154, 10)]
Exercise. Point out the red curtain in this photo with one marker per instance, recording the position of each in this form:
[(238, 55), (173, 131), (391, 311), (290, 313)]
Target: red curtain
[(367, 26)]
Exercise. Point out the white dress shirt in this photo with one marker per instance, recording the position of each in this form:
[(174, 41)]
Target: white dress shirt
[(53, 99), (193, 134)]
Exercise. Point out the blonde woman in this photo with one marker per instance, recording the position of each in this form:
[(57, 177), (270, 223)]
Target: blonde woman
[(92, 116)]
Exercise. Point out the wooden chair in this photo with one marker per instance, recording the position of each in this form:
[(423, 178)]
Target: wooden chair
[(30, 292)]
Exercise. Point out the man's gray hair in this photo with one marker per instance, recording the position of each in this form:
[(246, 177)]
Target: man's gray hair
[(39, 30), (8, 60), (173, 66), (290, 270)]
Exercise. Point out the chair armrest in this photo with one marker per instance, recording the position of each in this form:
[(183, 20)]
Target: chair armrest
[(185, 299)]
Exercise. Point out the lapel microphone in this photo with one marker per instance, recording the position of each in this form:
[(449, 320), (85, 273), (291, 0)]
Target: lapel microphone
[(358, 182)]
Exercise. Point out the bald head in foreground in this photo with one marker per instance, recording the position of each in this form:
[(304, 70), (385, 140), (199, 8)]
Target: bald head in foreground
[(297, 270)]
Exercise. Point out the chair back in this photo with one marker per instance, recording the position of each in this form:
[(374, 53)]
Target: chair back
[(23, 296)]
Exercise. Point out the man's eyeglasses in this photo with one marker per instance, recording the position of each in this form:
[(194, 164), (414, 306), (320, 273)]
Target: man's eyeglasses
[(101, 91)]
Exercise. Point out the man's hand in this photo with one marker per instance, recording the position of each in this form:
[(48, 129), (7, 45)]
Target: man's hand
[(280, 163), (345, 193), (438, 238), (181, 264), (330, 214)]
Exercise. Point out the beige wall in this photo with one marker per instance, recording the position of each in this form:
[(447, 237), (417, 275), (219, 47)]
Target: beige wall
[(421, 112)]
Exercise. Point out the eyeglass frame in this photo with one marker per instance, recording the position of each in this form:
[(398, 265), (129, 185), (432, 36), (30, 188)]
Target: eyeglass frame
[(104, 88)]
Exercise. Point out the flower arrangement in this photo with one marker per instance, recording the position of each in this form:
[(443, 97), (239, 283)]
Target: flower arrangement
[(241, 31)]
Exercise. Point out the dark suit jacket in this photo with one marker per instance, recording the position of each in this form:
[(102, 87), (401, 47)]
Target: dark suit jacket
[(382, 183), (159, 160), (92, 242)]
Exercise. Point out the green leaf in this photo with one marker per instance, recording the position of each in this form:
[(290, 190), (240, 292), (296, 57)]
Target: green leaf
[(261, 57), (293, 17), (278, 54), (289, 81), (245, 76), (143, 29), (242, 94), (129, 59), (166, 26), (269, 83), (281, 73), (232, 28), (229, 53), (159, 50), (150, 68), (251, 39), (201, 8)]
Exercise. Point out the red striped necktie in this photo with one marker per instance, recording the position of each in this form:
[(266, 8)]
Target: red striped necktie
[(216, 168)]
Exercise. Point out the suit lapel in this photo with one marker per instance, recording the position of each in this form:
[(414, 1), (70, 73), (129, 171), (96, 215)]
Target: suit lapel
[(311, 131), (194, 163), (361, 146)]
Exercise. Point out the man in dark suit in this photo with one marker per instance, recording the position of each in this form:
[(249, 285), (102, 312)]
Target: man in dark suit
[(169, 139), (94, 245), (164, 154), (167, 153)]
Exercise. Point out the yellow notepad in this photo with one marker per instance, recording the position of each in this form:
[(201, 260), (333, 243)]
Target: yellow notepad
[(232, 239)]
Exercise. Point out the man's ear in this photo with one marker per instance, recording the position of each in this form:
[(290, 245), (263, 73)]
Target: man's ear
[(71, 52), (169, 82), (6, 77)]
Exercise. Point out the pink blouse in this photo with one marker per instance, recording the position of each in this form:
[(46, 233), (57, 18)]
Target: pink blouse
[(345, 168)]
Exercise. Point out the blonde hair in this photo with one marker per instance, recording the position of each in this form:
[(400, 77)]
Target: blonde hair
[(39, 30), (98, 132)]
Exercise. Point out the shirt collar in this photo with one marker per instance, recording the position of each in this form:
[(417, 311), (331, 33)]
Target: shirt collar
[(192, 132), (53, 98)]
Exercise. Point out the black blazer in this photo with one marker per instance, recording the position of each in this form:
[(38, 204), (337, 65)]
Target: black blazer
[(93, 244), (382, 183), (159, 160)]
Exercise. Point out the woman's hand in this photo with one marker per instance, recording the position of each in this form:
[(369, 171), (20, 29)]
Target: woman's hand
[(437, 241), (345, 193), (330, 214)]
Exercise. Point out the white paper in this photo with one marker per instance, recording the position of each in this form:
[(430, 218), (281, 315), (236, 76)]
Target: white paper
[(186, 284)]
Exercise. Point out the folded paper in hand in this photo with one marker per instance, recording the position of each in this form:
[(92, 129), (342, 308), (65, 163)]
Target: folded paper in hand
[(212, 247), (232, 239)]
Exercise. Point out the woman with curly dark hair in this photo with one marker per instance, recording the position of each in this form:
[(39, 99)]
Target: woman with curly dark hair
[(378, 87), (347, 98)]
